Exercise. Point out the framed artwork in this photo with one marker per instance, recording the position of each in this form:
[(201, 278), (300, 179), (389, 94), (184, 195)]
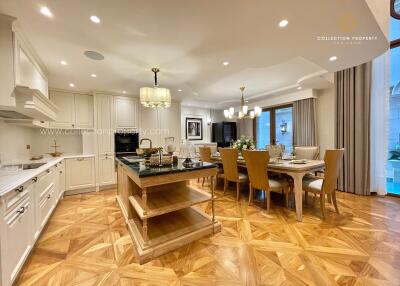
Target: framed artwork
[(194, 129)]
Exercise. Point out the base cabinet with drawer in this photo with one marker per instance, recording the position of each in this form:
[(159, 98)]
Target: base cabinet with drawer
[(80, 173)]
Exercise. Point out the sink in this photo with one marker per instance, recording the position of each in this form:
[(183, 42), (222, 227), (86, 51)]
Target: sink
[(133, 159), (29, 166), (32, 166)]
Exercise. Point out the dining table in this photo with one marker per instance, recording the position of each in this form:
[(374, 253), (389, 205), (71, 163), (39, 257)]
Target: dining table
[(292, 168)]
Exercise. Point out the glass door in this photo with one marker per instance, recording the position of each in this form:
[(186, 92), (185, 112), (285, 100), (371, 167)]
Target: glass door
[(284, 128), (263, 130)]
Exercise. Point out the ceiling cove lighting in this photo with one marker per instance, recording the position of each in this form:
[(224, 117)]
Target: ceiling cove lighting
[(71, 84), (95, 19), (333, 58), (283, 23), (64, 63), (243, 111), (46, 11), (155, 96)]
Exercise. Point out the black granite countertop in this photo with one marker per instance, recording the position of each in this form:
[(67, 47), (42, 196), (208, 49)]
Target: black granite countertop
[(146, 171)]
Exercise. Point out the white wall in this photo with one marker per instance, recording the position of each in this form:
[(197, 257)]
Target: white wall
[(13, 141), (326, 119), (70, 141)]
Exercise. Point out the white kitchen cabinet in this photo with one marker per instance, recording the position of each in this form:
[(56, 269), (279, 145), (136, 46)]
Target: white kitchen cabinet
[(60, 180), (158, 124), (83, 111), (106, 170), (65, 101), (125, 112), (76, 110), (170, 122), (17, 239), (45, 191), (80, 173), (105, 166)]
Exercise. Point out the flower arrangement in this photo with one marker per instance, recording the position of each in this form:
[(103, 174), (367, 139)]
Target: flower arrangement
[(244, 143)]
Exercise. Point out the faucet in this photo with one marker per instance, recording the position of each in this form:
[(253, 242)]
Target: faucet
[(147, 139)]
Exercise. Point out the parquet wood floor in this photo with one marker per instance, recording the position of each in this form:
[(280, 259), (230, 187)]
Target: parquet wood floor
[(86, 243)]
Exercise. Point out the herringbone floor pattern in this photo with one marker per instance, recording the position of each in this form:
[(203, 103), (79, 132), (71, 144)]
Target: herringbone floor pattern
[(86, 243)]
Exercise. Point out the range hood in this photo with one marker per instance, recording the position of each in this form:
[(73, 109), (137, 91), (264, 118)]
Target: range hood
[(30, 104)]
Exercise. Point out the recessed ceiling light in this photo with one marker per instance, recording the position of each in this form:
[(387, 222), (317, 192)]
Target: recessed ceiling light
[(46, 11), (225, 63), (124, 91), (179, 90), (283, 23), (64, 63), (333, 58), (299, 87), (95, 19), (93, 75), (71, 84)]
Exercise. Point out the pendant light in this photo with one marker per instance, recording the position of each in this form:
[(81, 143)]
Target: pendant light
[(155, 96)]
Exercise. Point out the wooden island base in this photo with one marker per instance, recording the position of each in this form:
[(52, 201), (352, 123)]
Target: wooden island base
[(160, 210)]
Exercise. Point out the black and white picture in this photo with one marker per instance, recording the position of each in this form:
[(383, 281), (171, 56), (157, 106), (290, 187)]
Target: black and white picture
[(194, 129)]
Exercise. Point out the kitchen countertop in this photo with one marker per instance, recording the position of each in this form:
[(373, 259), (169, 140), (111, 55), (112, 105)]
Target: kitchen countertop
[(145, 171), (11, 181)]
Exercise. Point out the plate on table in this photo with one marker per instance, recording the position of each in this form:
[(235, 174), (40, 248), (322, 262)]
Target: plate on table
[(302, 161), (288, 158)]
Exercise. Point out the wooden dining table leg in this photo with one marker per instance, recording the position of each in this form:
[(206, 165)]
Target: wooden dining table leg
[(298, 193)]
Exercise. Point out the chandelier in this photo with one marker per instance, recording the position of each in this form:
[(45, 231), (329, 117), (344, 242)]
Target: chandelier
[(243, 111), (155, 96)]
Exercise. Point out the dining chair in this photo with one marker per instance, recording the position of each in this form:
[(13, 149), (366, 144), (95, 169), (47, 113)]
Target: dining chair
[(205, 156), (306, 152), (326, 185), (229, 157), (275, 151), (257, 165)]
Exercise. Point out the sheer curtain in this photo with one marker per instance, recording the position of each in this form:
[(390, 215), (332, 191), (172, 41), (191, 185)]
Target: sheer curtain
[(379, 123)]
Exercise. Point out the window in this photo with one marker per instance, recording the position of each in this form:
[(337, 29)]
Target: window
[(274, 126), (393, 164)]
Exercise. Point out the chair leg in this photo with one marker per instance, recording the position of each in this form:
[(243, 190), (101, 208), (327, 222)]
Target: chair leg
[(287, 197), (237, 191), (225, 185), (268, 193), (334, 201), (322, 200), (250, 194), (305, 197), (329, 196), (202, 184)]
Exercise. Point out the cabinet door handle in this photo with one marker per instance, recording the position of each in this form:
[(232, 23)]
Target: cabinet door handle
[(49, 197), (80, 159), (35, 179), (20, 189), (60, 172), (21, 210)]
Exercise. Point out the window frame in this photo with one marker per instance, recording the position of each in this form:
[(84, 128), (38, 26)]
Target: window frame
[(272, 134)]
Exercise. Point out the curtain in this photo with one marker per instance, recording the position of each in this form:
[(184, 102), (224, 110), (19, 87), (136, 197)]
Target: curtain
[(305, 122), (379, 123), (353, 101)]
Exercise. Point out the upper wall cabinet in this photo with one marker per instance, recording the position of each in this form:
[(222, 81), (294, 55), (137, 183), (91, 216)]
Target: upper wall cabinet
[(125, 112), (76, 110)]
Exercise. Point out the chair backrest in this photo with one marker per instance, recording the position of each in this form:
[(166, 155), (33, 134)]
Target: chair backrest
[(257, 165), (332, 160), (205, 154), (306, 152), (229, 158), (275, 151)]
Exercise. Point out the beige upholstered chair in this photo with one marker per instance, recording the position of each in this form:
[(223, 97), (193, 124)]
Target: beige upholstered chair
[(275, 151), (306, 152), (205, 156), (229, 157), (326, 185), (257, 164)]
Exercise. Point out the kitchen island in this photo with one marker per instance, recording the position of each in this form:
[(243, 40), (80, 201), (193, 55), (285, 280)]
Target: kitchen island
[(159, 205)]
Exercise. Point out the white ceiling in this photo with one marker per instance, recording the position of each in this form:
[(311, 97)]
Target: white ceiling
[(188, 40)]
